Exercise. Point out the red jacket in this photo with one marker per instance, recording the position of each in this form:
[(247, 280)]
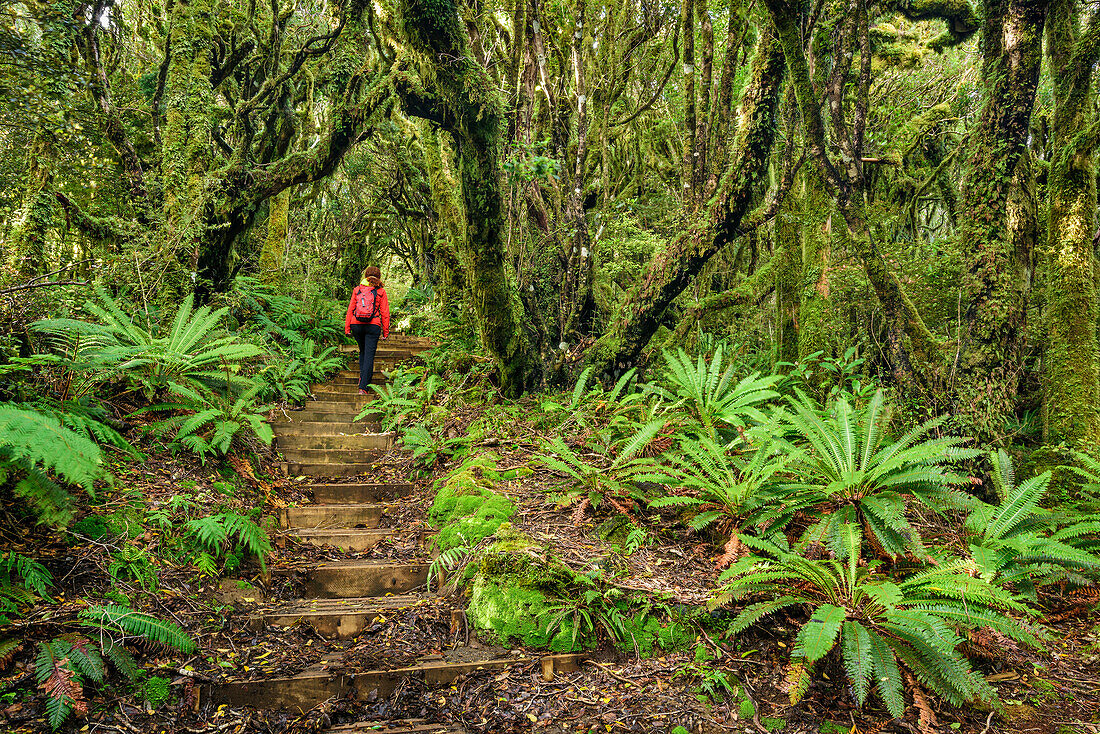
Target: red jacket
[(381, 314)]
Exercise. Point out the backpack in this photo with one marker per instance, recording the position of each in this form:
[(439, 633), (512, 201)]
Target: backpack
[(365, 305)]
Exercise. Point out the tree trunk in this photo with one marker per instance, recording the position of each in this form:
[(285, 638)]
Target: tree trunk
[(1072, 395), (271, 256), (990, 358), (815, 317), (37, 211), (187, 155), (474, 113), (670, 271)]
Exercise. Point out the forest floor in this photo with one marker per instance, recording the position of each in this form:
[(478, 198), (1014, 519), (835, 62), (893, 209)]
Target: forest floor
[(1056, 691)]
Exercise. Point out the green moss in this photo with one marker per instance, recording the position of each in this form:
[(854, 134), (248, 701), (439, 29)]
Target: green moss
[(466, 509), (747, 710)]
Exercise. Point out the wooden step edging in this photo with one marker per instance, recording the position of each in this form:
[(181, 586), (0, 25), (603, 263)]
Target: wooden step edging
[(339, 618), (306, 690), (346, 515), (347, 539)]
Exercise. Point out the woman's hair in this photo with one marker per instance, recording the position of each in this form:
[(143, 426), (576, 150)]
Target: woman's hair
[(373, 276)]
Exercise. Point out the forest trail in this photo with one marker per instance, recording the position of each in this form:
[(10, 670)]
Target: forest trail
[(343, 598)]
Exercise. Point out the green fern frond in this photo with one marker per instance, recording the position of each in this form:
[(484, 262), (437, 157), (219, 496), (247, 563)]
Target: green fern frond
[(138, 624)]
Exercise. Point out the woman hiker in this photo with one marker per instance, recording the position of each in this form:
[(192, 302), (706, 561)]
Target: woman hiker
[(368, 318)]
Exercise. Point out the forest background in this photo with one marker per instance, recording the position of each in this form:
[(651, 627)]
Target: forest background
[(911, 182), (843, 194)]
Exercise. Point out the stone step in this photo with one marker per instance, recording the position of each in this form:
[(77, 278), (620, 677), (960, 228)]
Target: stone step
[(353, 579), (341, 618), (311, 687), (331, 456), (325, 470), (349, 539), (365, 492), (323, 428), (364, 442), (332, 516)]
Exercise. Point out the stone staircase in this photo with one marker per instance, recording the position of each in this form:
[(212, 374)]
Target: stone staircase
[(325, 442)]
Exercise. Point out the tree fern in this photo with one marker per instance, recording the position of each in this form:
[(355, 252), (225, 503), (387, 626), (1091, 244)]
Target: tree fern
[(127, 621)]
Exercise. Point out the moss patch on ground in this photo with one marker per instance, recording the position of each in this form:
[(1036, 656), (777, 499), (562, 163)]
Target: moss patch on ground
[(466, 508)]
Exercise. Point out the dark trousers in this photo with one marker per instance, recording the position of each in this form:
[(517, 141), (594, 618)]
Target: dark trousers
[(366, 336)]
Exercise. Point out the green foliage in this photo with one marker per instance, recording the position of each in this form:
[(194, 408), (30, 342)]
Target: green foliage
[(404, 398), (212, 422), (1019, 543), (66, 663), (426, 447), (33, 443), (876, 621), (718, 483), (192, 350), (226, 535), (133, 624), (22, 582), (612, 472), (156, 692), (830, 378), (134, 563), (843, 462), (706, 393)]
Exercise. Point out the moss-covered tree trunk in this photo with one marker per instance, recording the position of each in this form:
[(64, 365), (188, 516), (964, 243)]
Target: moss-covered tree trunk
[(671, 270), (450, 227), (186, 156), (1072, 380), (815, 312), (271, 256), (788, 278), (989, 361), (36, 213), (910, 345), (469, 105)]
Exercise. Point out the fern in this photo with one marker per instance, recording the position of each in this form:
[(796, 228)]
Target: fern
[(843, 461), (32, 575), (212, 534), (60, 681), (212, 423), (877, 621), (707, 392), (614, 473), (34, 443), (1016, 542), (137, 624), (192, 348), (728, 483)]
